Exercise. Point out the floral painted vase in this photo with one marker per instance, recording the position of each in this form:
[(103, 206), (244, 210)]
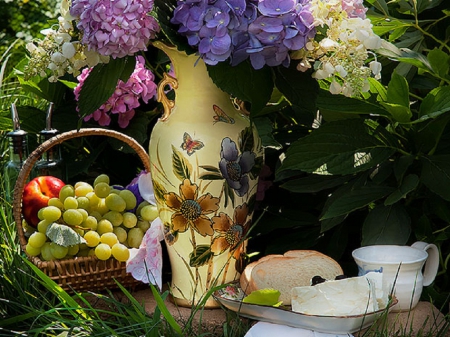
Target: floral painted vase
[(205, 159)]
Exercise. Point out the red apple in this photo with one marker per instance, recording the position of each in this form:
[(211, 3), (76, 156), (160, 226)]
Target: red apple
[(36, 195)]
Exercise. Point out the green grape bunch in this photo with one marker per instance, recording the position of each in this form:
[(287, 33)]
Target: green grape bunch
[(99, 220)]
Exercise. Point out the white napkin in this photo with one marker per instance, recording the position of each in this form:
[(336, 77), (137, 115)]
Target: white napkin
[(264, 329)]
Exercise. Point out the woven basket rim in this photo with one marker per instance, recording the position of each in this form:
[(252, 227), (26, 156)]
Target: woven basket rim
[(26, 171)]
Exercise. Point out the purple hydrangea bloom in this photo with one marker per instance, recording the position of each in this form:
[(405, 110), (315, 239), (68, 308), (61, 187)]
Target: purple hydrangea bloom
[(263, 31), (115, 28), (235, 167)]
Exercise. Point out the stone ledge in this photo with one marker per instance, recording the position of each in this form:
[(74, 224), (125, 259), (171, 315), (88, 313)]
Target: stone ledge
[(424, 318)]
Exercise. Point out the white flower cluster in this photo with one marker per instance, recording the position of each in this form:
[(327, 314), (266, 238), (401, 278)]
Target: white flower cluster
[(341, 56), (59, 52)]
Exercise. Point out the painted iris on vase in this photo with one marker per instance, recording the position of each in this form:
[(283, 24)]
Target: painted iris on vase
[(235, 167)]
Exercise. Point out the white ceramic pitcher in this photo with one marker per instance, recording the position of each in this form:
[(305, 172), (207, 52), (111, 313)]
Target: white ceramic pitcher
[(408, 262)]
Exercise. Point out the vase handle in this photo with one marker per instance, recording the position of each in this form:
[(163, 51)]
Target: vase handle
[(162, 98)]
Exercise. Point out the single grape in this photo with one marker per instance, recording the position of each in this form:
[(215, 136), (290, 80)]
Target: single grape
[(84, 213), (102, 178), (73, 250), (92, 238), (58, 251), (73, 217), (115, 203), (93, 199), (32, 251), (144, 225), (84, 203), (149, 212), (66, 191), (104, 226), (55, 202), (120, 252), (42, 226), (103, 251), (102, 208), (91, 252), (109, 238), (70, 203), (115, 217), (82, 188), (102, 190), (130, 199), (121, 234), (96, 215), (135, 236), (90, 223), (114, 190), (37, 240), (83, 252), (142, 204), (46, 253), (129, 220), (40, 215), (51, 213)]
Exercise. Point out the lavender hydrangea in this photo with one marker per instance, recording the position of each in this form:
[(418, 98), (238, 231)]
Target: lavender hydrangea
[(262, 31), (125, 98), (115, 28)]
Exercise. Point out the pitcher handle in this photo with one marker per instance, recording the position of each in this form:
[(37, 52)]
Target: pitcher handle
[(432, 263)]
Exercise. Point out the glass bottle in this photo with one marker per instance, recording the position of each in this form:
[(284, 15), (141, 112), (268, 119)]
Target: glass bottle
[(50, 163), (18, 153)]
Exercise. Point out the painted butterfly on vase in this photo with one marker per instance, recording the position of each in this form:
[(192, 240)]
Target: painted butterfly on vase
[(191, 145), (221, 116)]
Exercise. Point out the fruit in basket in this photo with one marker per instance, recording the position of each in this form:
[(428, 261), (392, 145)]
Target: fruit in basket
[(36, 195), (87, 220)]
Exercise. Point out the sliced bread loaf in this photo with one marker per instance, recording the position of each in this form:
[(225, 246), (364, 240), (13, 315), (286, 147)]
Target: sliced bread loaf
[(284, 272)]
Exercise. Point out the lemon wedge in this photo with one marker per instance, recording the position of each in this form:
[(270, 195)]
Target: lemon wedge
[(267, 296)]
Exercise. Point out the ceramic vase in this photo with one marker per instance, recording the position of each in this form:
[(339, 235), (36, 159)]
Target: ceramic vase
[(205, 159)]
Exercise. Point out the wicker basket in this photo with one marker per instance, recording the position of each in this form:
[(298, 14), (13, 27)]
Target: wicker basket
[(81, 273)]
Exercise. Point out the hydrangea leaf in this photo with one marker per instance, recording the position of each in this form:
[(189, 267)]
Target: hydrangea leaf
[(244, 82), (341, 147), (93, 95)]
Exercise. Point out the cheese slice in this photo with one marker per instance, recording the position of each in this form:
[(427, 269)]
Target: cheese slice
[(351, 296)]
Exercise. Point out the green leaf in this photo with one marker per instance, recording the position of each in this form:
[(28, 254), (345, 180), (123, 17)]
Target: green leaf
[(409, 184), (355, 199), (340, 147), (298, 87), (211, 176), (435, 103), (405, 55), (200, 256), (348, 105), (401, 165), (399, 112), (386, 225), (377, 88), (436, 174), (314, 183), (63, 235), (181, 167), (265, 128), (439, 61), (398, 91), (101, 83), (244, 82)]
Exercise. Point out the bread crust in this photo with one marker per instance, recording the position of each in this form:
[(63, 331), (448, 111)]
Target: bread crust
[(283, 272)]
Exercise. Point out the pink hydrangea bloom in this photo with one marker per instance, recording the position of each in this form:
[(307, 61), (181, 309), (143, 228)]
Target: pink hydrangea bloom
[(115, 28), (125, 98), (354, 8)]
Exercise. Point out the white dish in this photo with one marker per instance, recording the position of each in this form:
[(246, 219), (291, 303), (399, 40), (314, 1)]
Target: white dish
[(231, 297)]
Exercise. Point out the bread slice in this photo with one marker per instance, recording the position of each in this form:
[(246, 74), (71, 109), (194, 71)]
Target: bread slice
[(284, 272)]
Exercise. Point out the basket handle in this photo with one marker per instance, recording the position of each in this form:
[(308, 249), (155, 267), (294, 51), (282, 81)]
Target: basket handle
[(48, 144)]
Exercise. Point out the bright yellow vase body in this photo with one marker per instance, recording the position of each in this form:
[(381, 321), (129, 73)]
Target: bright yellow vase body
[(205, 158)]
